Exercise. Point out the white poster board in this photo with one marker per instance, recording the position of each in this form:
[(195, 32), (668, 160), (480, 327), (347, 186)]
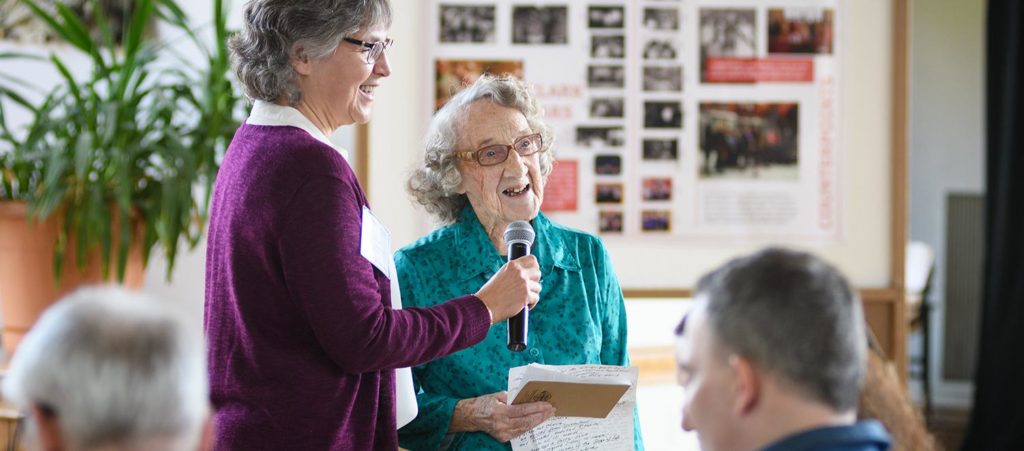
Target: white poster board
[(688, 131)]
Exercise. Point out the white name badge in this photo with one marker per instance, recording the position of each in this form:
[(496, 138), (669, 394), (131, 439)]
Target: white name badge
[(375, 244)]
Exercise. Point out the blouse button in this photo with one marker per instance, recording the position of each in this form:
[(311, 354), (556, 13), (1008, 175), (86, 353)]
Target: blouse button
[(535, 352)]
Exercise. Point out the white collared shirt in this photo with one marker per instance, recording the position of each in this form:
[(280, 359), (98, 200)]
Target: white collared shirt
[(274, 115)]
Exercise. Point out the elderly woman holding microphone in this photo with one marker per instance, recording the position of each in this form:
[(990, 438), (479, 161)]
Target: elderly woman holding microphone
[(302, 307), (487, 159)]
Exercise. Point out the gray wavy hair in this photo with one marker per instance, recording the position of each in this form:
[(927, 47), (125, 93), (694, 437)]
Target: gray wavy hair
[(117, 368), (272, 31), (434, 183)]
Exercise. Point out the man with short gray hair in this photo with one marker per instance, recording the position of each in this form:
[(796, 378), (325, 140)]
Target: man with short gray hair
[(107, 369), (773, 356)]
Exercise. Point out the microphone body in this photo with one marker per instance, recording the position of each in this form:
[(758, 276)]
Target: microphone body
[(519, 237)]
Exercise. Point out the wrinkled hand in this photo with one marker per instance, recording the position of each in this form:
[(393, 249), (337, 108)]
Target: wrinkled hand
[(491, 414), (515, 285)]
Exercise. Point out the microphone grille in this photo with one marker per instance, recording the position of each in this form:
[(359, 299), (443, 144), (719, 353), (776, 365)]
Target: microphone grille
[(519, 231)]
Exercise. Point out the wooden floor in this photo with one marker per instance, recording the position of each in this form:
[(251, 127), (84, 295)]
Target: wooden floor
[(949, 425)]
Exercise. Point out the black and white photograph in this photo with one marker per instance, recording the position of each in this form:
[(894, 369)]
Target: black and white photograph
[(612, 107), (609, 221), (595, 137), (726, 33), (661, 19), (606, 76), (612, 46), (660, 49), (657, 188), (540, 25), (467, 23), (661, 149), (608, 165), (606, 16), (754, 141), (663, 115), (663, 78), (656, 221), (608, 193)]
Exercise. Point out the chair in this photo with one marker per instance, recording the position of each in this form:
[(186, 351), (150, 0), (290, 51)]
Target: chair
[(920, 264)]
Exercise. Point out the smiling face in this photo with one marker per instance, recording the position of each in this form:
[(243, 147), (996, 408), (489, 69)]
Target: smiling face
[(508, 191), (707, 381), (339, 88)]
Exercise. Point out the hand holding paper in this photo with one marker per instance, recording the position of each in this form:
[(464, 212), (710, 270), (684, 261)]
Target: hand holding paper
[(600, 398), (492, 414)]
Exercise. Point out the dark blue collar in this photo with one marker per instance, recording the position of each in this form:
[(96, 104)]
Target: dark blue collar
[(867, 435)]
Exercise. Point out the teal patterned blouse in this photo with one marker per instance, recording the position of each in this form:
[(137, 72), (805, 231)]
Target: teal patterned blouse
[(580, 319)]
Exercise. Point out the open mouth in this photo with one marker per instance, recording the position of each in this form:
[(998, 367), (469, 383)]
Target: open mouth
[(367, 89), (514, 192)]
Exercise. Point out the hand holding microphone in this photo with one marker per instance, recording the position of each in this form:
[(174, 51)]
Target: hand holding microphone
[(515, 286)]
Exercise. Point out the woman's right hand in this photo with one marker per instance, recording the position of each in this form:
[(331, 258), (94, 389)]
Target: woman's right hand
[(517, 284), (491, 414)]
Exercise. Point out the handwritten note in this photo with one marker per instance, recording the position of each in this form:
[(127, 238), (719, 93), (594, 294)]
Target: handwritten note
[(574, 433)]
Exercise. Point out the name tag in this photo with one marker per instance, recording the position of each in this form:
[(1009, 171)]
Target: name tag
[(375, 244)]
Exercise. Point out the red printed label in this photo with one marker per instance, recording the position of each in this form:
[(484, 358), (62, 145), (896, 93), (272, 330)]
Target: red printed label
[(560, 193), (753, 70)]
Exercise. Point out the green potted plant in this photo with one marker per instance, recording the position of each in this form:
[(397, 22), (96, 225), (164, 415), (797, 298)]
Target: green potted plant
[(114, 163)]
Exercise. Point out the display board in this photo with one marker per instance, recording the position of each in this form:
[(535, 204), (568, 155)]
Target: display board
[(672, 119)]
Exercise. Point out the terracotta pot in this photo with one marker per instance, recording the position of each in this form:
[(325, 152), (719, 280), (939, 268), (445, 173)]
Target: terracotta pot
[(26, 271)]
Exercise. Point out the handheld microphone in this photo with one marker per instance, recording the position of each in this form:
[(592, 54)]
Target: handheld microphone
[(519, 237)]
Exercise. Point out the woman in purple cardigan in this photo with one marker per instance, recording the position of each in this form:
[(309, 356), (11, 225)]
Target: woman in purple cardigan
[(301, 293)]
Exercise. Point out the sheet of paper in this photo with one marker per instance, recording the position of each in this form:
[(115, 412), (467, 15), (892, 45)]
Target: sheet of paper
[(572, 433)]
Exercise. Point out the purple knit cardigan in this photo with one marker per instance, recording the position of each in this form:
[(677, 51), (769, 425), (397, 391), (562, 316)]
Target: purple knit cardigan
[(302, 338)]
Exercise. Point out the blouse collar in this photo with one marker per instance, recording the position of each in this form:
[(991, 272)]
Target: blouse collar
[(272, 114), (552, 246)]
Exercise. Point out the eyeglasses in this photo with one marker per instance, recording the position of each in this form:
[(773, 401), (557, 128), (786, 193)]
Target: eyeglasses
[(373, 50), (498, 153)]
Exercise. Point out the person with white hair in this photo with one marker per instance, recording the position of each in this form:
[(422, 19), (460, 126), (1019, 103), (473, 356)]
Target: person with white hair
[(487, 158), (107, 369)]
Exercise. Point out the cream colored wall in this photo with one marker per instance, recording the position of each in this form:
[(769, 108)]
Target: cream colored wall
[(398, 126), (947, 142)]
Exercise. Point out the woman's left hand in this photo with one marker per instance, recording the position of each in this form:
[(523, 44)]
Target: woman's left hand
[(492, 414)]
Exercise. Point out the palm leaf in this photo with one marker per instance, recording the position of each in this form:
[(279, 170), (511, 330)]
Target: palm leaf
[(77, 33)]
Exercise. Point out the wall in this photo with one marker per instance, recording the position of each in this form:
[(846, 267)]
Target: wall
[(947, 144), (398, 127)]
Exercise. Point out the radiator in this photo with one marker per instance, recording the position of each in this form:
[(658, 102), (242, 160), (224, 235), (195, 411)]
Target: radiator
[(965, 253)]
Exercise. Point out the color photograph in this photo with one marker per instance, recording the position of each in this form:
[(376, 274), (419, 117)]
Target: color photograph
[(608, 193), (800, 30), (656, 220), (452, 75), (749, 141)]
